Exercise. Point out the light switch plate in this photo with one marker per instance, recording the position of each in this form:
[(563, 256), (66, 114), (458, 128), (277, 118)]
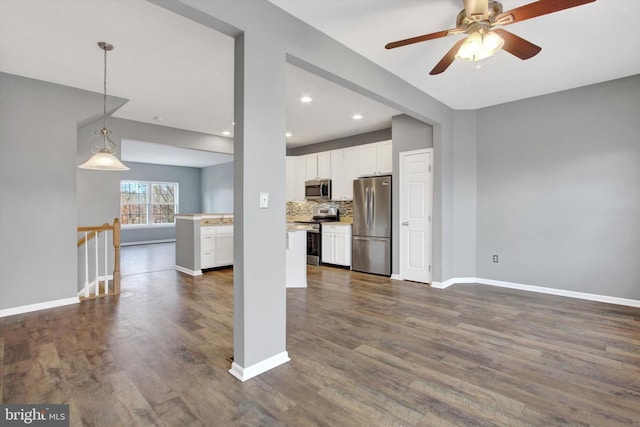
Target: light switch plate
[(264, 200)]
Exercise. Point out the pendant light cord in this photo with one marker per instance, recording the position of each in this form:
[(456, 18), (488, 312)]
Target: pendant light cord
[(104, 99)]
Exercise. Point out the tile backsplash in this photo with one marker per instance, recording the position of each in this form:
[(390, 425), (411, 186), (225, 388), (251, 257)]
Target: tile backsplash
[(303, 208)]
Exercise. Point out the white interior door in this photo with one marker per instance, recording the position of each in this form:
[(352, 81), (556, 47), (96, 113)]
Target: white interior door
[(416, 210)]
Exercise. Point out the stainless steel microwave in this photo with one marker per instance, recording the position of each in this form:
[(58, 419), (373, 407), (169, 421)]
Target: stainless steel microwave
[(317, 189)]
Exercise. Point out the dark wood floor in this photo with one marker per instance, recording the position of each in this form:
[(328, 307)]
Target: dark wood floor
[(364, 351)]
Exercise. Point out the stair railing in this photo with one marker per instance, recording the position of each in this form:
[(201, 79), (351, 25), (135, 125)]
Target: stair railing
[(93, 232)]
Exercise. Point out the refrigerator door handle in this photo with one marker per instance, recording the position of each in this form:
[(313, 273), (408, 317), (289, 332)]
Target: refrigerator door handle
[(366, 208), (373, 205)]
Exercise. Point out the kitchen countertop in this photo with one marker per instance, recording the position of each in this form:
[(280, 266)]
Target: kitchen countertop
[(208, 219)]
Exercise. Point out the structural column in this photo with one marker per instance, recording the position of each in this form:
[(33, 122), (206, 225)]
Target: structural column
[(259, 206)]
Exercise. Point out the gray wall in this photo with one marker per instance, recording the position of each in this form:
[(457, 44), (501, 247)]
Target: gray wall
[(559, 190), (464, 194), (217, 188), (38, 217), (188, 196), (407, 134)]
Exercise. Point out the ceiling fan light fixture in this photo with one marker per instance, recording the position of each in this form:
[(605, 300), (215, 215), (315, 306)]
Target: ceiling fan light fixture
[(479, 46)]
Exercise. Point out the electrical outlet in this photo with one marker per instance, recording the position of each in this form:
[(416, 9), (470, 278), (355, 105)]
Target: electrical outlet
[(495, 258)]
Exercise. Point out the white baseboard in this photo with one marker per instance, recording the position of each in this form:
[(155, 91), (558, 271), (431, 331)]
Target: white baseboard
[(39, 306), (244, 374), (396, 277), (540, 289), (187, 271), (148, 242)]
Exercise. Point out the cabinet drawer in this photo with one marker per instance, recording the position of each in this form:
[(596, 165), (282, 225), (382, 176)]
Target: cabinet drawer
[(207, 243), (336, 229), (224, 229), (208, 231)]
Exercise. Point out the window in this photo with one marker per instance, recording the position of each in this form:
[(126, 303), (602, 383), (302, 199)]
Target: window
[(148, 203)]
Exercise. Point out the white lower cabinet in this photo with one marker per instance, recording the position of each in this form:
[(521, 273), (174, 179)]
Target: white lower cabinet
[(216, 246), (224, 245), (336, 244)]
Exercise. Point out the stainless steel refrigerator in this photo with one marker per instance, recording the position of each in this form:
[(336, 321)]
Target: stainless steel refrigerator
[(371, 245)]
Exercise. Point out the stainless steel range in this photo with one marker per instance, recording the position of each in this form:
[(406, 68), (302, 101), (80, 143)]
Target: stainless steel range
[(321, 213)]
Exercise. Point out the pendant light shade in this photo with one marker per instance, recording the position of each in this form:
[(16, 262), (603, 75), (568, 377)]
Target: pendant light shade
[(104, 150), (104, 161)]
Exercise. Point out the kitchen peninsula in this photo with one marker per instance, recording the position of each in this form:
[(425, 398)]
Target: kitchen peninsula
[(203, 241)]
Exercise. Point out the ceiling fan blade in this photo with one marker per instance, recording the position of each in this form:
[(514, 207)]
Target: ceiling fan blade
[(418, 39), (447, 59), (537, 8), (517, 46)]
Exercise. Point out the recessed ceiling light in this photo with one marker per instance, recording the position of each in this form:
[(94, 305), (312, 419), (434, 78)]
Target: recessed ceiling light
[(159, 118), (226, 133), (357, 117), (288, 134), (306, 99)]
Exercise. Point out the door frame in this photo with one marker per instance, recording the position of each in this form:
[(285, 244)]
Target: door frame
[(402, 249)]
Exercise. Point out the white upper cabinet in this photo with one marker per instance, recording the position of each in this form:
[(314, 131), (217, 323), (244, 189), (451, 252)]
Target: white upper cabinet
[(342, 166), (300, 177), (384, 157), (311, 166), (351, 170), (338, 182), (291, 178), (324, 165), (376, 159)]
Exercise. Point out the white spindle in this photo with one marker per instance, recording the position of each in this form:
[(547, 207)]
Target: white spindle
[(106, 278), (86, 265), (97, 282)]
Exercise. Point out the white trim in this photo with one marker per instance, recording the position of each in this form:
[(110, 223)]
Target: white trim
[(244, 374), (148, 242), (187, 271), (396, 277), (39, 306), (539, 289)]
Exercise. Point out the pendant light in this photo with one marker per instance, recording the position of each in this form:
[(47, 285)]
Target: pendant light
[(104, 150)]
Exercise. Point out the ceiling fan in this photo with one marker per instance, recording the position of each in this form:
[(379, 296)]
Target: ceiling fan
[(478, 19)]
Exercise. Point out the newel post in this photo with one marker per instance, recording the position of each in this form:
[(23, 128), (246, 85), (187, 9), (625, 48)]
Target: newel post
[(116, 255)]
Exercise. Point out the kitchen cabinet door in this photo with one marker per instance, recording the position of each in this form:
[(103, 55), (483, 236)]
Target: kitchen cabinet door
[(300, 177), (338, 182), (384, 157), (291, 178), (324, 165), (327, 244), (351, 170), (224, 249), (311, 166), (368, 158)]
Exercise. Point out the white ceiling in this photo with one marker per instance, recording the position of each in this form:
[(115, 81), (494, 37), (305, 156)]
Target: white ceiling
[(587, 44), (170, 67)]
